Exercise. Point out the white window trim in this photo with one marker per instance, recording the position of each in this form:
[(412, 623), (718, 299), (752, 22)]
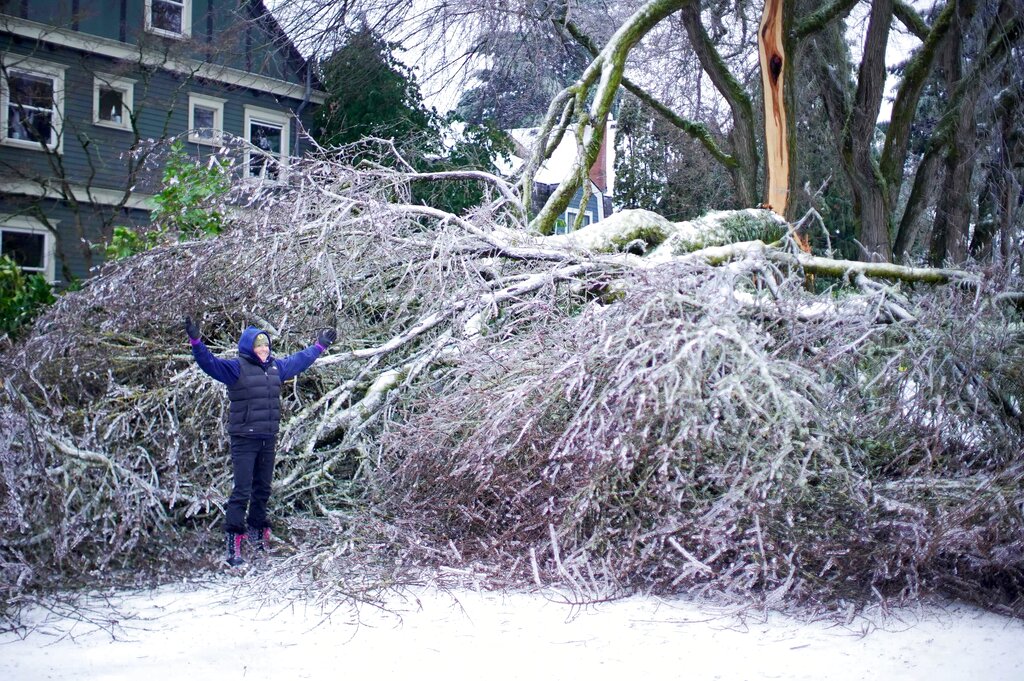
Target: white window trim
[(54, 35), (258, 115), (570, 217), (127, 87), (217, 105), (35, 67), (10, 223), (186, 21)]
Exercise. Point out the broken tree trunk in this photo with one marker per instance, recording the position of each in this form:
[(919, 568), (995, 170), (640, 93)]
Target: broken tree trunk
[(776, 59), (776, 79)]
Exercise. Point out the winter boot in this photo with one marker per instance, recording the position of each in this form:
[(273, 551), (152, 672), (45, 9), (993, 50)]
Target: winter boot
[(259, 539), (234, 542)]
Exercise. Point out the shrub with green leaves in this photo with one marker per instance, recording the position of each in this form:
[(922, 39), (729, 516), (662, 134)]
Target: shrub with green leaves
[(187, 205), (127, 241), (22, 297)]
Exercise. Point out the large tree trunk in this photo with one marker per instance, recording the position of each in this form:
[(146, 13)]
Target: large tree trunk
[(871, 200), (742, 136), (997, 199), (953, 213), (775, 54), (921, 196), (853, 122)]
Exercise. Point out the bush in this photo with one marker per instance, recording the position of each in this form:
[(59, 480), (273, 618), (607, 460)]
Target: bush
[(186, 205), (22, 297)]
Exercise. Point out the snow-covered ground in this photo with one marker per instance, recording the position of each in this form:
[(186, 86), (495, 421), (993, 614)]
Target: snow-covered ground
[(213, 631)]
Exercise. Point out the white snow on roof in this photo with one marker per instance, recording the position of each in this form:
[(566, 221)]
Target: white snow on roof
[(556, 168), (552, 171)]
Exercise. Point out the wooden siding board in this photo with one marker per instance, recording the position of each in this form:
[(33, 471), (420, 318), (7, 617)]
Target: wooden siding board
[(161, 105), (235, 26), (95, 155), (68, 251)]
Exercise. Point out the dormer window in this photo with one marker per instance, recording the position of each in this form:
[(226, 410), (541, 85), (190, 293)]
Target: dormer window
[(170, 18)]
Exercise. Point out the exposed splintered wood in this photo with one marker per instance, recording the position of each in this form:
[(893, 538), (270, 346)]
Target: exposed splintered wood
[(772, 55)]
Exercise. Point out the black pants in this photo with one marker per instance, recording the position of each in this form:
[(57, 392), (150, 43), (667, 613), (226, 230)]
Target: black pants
[(252, 464)]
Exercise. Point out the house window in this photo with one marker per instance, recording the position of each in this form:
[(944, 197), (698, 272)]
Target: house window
[(570, 219), (112, 102), (28, 244), (32, 107), (171, 18), (205, 119), (268, 132)]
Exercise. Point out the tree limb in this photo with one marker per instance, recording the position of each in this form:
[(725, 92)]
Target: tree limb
[(904, 108), (698, 131), (821, 17), (911, 19)]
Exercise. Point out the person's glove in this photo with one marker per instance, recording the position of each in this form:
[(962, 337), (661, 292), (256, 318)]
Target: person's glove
[(191, 328), (326, 337)]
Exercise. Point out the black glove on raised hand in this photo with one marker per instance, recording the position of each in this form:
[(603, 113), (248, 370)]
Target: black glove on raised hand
[(191, 328), (326, 337)]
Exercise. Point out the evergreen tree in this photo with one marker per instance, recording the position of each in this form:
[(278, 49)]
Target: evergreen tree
[(372, 94), (659, 168)]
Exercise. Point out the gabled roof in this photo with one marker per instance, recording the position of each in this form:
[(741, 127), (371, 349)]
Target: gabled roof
[(266, 18)]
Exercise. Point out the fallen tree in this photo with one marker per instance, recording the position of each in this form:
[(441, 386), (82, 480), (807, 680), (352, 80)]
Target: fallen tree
[(640, 404)]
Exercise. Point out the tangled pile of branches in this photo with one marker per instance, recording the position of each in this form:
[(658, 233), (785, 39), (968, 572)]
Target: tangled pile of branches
[(526, 410)]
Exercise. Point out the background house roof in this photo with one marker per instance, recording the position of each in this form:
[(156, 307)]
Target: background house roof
[(556, 168)]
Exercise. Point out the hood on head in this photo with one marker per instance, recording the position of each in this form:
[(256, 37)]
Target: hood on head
[(245, 343)]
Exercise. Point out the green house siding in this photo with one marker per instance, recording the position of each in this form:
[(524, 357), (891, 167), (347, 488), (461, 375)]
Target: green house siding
[(97, 160)]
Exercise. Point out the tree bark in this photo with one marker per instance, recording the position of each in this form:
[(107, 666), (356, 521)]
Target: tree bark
[(997, 200), (742, 135), (775, 55), (904, 108), (919, 200), (953, 213), (853, 122), (871, 200)]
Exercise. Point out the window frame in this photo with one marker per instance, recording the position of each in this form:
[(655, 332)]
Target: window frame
[(208, 102), (39, 69), (14, 223), (570, 218), (126, 86), (270, 118), (186, 20)]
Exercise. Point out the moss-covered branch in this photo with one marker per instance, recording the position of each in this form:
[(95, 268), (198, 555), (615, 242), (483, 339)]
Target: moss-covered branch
[(909, 17), (998, 47), (740, 104), (598, 85), (905, 106), (822, 17), (698, 131)]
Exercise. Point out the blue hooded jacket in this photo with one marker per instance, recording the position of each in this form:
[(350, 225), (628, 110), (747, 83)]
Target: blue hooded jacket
[(254, 387)]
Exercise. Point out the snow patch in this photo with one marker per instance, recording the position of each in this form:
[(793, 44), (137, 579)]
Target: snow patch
[(225, 631)]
